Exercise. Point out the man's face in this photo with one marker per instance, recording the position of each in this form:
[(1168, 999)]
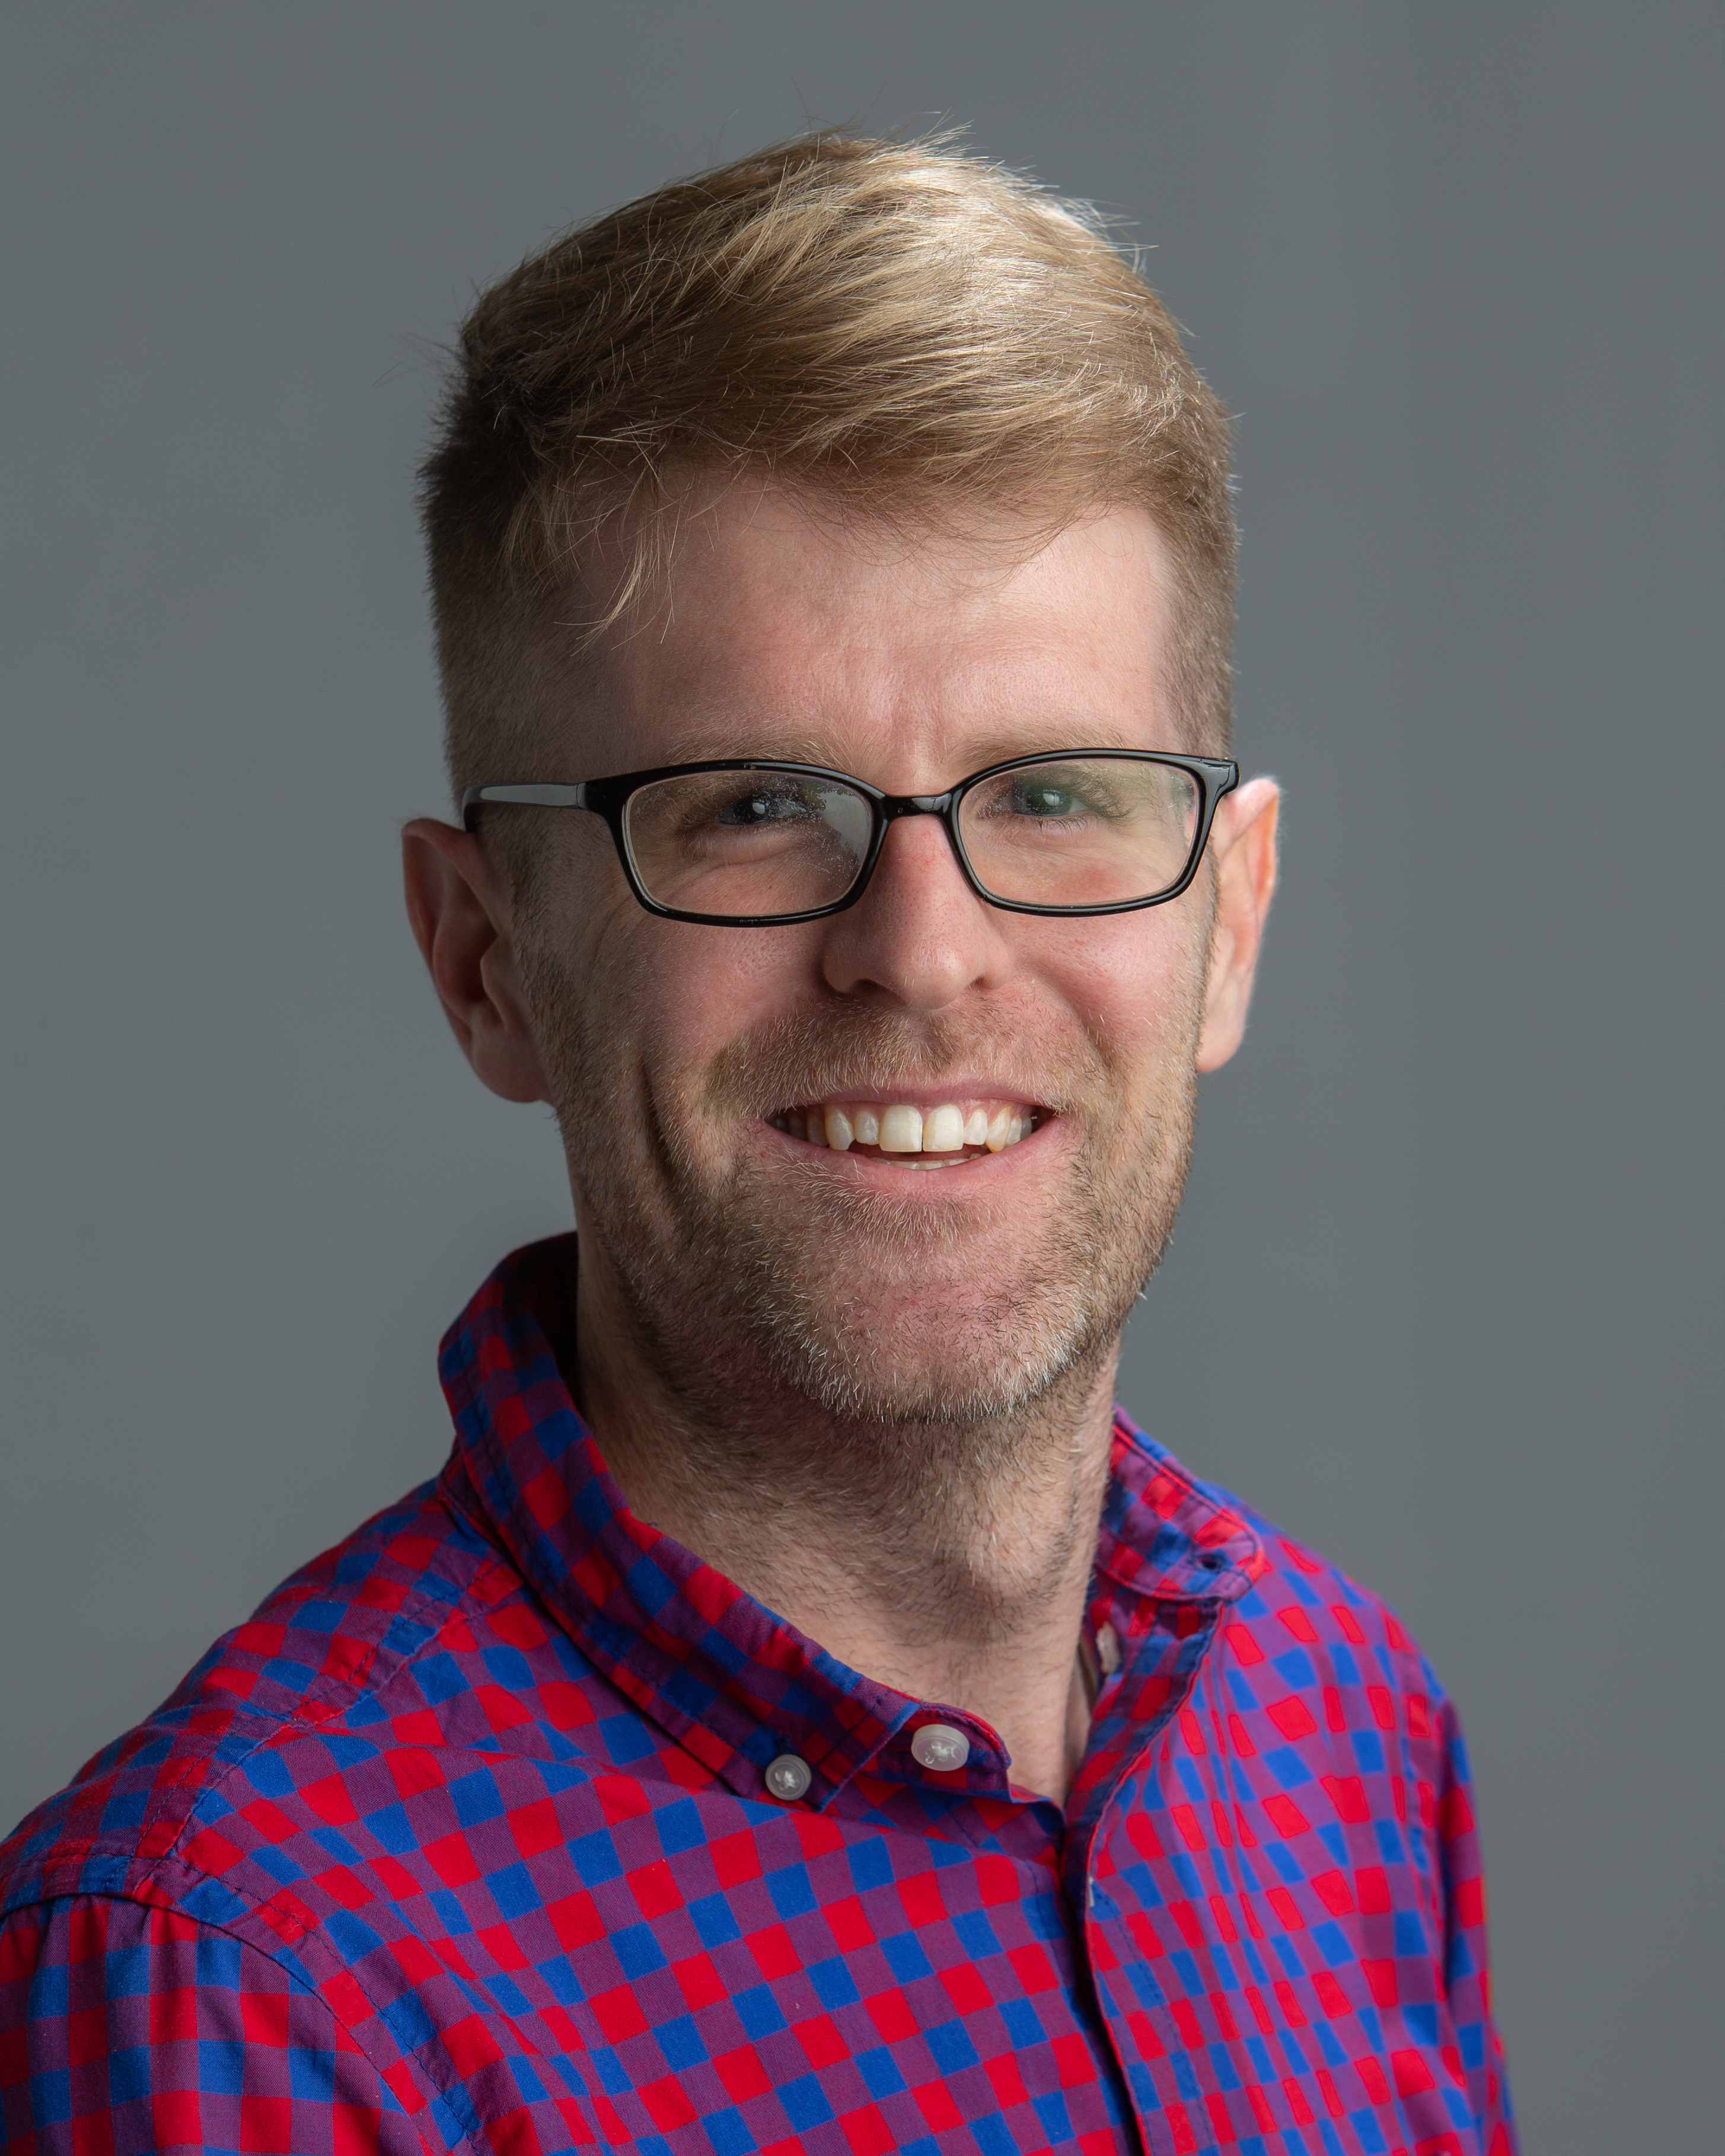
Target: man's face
[(687, 1063)]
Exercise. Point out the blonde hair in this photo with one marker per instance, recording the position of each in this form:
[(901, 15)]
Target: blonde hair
[(904, 328)]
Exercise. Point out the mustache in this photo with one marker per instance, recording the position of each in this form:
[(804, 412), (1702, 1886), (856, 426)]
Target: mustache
[(826, 1055)]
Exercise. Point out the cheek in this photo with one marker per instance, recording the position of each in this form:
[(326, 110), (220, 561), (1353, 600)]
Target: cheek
[(1135, 982), (680, 993)]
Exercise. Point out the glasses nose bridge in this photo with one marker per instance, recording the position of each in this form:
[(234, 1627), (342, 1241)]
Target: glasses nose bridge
[(894, 806)]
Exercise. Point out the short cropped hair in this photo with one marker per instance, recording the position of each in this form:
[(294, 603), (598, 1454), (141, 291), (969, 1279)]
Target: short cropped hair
[(902, 328)]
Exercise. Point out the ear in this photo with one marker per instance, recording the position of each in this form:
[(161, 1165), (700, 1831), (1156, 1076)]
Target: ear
[(1243, 847), (462, 918)]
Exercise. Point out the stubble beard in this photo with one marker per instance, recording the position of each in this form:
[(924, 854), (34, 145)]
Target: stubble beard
[(758, 1298)]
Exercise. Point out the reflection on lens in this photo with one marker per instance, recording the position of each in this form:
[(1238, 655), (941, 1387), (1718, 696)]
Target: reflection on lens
[(747, 842), (1090, 831)]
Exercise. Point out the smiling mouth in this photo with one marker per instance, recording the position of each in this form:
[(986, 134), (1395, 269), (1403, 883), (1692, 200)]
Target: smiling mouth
[(905, 1136)]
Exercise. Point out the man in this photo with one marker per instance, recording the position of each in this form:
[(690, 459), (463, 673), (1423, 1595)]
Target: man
[(804, 1714)]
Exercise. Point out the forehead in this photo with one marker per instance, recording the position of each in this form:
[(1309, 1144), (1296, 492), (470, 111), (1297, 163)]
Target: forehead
[(784, 627)]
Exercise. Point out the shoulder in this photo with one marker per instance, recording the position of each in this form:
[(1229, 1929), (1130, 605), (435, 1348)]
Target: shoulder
[(342, 1645), (1288, 1603), (1307, 1617), (98, 1996), (1317, 1670), (233, 1861)]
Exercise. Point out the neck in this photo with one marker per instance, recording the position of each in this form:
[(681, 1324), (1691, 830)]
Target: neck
[(950, 1560)]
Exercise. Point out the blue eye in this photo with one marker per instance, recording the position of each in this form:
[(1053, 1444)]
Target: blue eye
[(1033, 800), (758, 806)]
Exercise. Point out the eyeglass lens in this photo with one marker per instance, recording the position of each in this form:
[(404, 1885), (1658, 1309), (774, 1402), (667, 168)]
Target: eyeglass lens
[(1090, 831), (1095, 831), (747, 842)]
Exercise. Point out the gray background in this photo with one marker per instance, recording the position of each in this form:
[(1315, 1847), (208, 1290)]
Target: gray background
[(1441, 1297)]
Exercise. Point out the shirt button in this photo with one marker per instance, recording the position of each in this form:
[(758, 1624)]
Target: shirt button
[(789, 1777), (942, 1750), (1108, 1648)]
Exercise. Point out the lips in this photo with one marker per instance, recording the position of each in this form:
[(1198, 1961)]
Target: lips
[(945, 1135)]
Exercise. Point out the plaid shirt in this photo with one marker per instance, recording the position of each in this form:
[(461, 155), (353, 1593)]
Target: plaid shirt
[(467, 1839)]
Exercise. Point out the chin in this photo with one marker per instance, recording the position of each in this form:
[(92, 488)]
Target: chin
[(928, 1352)]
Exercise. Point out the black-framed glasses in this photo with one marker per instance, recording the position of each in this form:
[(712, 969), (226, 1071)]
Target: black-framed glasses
[(754, 842)]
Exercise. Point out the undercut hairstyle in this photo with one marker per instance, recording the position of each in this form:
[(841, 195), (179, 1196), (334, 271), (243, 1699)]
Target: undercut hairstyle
[(902, 330)]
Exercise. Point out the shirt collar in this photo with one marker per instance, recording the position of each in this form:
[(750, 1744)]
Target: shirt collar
[(734, 1684)]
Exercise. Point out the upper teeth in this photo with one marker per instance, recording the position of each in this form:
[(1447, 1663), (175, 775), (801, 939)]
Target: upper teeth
[(901, 1128)]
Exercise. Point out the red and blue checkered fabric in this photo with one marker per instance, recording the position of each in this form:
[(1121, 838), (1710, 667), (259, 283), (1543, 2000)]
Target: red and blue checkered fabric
[(464, 1840)]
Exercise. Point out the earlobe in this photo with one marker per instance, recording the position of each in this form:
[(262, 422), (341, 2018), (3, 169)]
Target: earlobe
[(460, 914), (1243, 848)]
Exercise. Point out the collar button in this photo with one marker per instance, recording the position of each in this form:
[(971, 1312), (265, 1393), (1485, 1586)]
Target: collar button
[(940, 1750), (788, 1778)]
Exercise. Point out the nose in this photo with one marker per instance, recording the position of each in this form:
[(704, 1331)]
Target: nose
[(919, 936)]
